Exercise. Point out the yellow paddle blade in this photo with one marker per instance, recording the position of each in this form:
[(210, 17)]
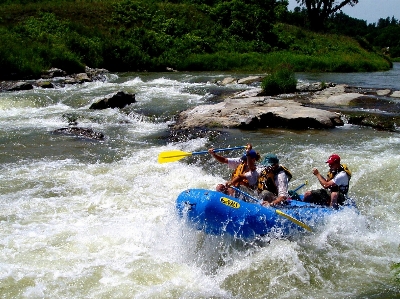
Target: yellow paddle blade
[(172, 156), (298, 222)]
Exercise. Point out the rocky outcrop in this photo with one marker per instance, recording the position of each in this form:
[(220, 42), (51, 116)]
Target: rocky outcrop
[(18, 86), (118, 100), (44, 84), (314, 105), (247, 111), (396, 94), (53, 72), (61, 76), (326, 107), (246, 80), (334, 96), (361, 106), (257, 112), (55, 77)]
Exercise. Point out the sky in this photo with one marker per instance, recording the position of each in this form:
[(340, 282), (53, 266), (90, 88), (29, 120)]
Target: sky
[(368, 10)]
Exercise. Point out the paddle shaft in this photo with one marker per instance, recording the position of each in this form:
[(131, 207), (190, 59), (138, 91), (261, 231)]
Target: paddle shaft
[(301, 186), (219, 150), (279, 212)]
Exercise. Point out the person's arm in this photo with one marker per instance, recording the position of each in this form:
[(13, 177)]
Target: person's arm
[(324, 183), (334, 197), (217, 157), (278, 200), (282, 184), (236, 180)]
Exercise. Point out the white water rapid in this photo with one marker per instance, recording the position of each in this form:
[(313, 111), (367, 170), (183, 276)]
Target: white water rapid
[(96, 219)]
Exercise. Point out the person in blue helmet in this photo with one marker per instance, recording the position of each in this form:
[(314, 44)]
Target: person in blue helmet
[(245, 173)]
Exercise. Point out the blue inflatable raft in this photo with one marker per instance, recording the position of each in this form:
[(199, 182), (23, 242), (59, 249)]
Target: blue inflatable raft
[(217, 213)]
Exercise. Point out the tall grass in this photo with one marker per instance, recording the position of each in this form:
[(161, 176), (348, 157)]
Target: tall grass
[(331, 62)]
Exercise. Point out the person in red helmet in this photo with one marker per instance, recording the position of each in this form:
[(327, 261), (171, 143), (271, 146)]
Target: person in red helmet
[(335, 186)]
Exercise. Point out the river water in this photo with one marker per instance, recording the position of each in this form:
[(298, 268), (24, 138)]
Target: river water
[(96, 219)]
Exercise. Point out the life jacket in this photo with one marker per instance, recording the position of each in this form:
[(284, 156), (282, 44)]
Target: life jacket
[(331, 174), (266, 179), (238, 171)]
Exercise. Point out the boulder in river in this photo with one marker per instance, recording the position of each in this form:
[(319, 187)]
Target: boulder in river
[(320, 109), (118, 100), (255, 112)]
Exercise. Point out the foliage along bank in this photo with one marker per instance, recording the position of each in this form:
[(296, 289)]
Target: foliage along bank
[(151, 35), (384, 35)]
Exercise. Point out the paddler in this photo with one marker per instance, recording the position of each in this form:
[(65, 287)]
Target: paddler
[(335, 186), (245, 173)]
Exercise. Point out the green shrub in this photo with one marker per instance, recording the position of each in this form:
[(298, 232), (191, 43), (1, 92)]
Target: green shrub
[(18, 57), (280, 81), (61, 57)]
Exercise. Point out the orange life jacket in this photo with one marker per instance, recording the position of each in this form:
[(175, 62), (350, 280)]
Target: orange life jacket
[(238, 171)]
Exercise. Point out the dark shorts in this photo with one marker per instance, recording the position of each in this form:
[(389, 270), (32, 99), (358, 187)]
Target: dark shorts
[(323, 197)]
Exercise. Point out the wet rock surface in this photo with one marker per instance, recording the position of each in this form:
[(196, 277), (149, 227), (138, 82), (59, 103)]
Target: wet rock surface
[(54, 78), (117, 100), (86, 133), (315, 107)]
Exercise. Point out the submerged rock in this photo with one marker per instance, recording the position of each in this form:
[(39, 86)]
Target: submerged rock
[(80, 132)]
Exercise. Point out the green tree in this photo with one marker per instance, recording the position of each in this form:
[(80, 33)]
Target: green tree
[(343, 24), (386, 39), (318, 11), (246, 19)]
